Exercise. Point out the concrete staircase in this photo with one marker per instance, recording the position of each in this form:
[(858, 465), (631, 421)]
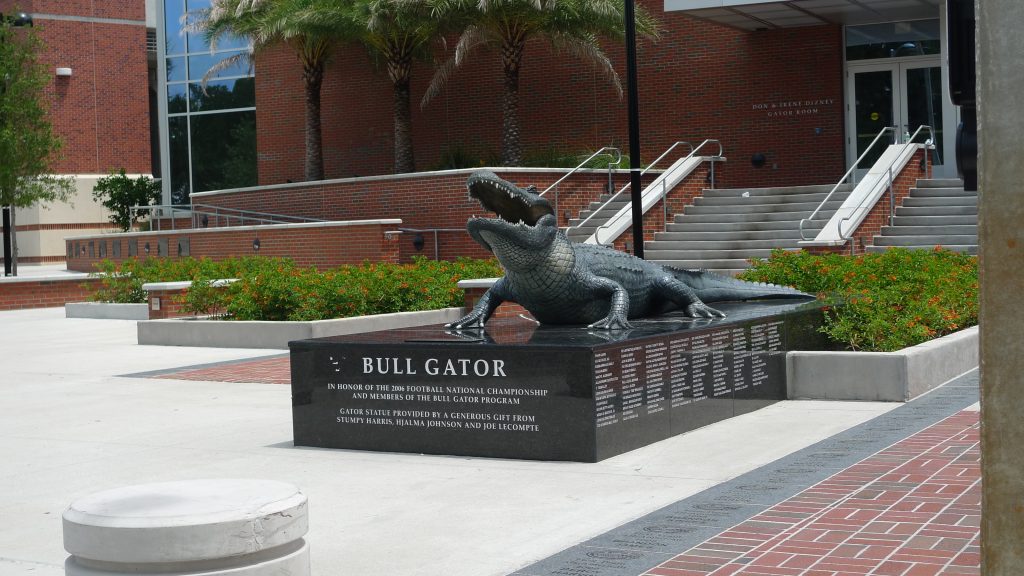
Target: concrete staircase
[(724, 228), (579, 234), (937, 212)]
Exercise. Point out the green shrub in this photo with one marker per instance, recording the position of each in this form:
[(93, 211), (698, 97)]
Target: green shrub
[(276, 289), (119, 193), (887, 301)]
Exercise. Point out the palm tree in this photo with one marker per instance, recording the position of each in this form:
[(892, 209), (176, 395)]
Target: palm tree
[(293, 23), (397, 32), (570, 25)]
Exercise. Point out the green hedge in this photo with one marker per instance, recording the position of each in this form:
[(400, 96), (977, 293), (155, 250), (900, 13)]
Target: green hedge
[(276, 289), (890, 300)]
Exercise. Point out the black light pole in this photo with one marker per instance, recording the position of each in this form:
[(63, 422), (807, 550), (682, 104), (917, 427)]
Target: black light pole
[(634, 132), (21, 19)]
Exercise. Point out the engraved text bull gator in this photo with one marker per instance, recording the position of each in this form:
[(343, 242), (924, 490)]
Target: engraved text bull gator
[(561, 282)]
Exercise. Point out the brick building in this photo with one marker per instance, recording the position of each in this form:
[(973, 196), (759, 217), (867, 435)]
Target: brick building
[(103, 81), (804, 85)]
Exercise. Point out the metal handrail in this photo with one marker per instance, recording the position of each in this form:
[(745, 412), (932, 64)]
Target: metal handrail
[(892, 195), (606, 151), (437, 242), (243, 216), (652, 165), (843, 179)]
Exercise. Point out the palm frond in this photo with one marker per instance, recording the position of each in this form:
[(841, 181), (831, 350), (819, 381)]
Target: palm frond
[(226, 63), (471, 38), (587, 49)]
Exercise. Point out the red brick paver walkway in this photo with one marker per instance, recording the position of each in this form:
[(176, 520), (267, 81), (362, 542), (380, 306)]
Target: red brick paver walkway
[(912, 509), (276, 370)]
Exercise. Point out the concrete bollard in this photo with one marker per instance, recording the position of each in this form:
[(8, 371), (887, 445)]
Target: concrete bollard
[(218, 527)]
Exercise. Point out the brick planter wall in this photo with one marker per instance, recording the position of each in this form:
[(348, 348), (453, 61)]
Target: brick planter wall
[(324, 245), (17, 294)]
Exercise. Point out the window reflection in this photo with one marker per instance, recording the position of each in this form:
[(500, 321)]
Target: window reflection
[(173, 11), (177, 129), (223, 150), (176, 69), (892, 40), (176, 99), (222, 95), (199, 64)]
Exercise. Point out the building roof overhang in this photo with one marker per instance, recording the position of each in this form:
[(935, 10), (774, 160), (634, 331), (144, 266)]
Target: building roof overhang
[(773, 14)]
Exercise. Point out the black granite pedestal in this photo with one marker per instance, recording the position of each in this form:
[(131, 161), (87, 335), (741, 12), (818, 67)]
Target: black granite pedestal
[(519, 390)]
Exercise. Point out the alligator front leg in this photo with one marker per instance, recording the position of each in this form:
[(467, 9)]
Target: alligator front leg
[(484, 308), (618, 311), (672, 289)]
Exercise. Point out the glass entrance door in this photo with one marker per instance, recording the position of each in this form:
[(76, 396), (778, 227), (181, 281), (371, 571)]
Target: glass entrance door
[(903, 95)]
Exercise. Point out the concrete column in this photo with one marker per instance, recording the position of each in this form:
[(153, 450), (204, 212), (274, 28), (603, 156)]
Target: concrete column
[(1000, 36)]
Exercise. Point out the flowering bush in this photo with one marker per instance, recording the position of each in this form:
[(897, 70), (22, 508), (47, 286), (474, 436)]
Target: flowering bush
[(276, 289), (889, 300)]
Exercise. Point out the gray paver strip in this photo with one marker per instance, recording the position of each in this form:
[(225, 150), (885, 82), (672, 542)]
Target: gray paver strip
[(646, 542)]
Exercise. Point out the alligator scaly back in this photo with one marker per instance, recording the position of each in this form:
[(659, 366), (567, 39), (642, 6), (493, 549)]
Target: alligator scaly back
[(712, 287)]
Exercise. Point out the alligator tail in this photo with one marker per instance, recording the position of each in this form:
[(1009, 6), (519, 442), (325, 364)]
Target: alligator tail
[(711, 287)]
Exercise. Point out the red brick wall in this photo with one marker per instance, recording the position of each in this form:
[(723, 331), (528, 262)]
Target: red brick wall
[(699, 81), (170, 304), (21, 294), (437, 200), (879, 215), (102, 110), (320, 246)]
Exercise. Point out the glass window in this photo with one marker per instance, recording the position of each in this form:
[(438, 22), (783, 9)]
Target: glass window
[(173, 11), (223, 150), (199, 64), (176, 69), (177, 130), (892, 40), (222, 95), (176, 99)]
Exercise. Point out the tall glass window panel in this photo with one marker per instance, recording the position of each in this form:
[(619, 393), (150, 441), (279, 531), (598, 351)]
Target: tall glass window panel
[(173, 11), (222, 95), (924, 104), (892, 40), (873, 94), (177, 98), (177, 131), (223, 150), (200, 64)]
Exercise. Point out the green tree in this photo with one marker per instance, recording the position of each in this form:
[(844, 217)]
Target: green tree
[(119, 193), (294, 23), (573, 26), (27, 141)]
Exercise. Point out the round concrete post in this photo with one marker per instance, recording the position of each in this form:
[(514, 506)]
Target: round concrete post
[(208, 527)]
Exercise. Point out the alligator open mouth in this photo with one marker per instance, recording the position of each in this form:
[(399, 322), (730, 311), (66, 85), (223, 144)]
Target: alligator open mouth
[(509, 202)]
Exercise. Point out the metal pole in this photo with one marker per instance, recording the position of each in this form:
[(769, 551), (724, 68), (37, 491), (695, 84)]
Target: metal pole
[(634, 131)]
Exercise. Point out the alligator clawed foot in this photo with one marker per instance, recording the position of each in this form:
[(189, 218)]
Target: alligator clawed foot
[(613, 322), (470, 322), (702, 310)]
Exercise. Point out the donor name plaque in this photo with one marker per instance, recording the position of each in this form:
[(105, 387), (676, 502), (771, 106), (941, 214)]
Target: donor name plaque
[(518, 390)]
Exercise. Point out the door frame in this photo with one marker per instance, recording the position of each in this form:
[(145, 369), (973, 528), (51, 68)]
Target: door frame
[(898, 67)]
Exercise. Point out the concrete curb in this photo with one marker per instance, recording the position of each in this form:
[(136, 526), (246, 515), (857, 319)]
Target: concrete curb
[(106, 311), (882, 376), (267, 334)]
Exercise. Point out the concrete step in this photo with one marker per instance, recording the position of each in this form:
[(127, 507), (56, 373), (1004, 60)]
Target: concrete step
[(768, 192), (716, 245), (803, 209), (736, 264), (929, 240), (761, 200), (940, 183), (915, 202), (936, 210), (941, 192), (960, 230), (686, 224), (966, 248), (792, 217), (707, 254), (969, 220), (740, 234)]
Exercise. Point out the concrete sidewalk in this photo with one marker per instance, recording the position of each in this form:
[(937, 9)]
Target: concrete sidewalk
[(72, 425)]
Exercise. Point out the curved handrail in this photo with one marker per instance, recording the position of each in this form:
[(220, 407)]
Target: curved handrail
[(927, 143), (606, 151), (843, 179), (644, 171)]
